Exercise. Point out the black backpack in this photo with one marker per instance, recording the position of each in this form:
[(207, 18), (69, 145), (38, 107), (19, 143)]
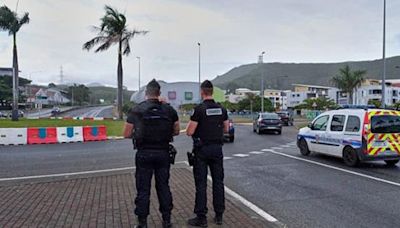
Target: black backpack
[(155, 127)]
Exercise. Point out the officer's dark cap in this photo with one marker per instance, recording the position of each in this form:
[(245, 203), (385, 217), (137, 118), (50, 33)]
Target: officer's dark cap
[(206, 85), (153, 88)]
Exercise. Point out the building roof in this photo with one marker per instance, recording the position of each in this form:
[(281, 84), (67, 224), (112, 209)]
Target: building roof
[(6, 68), (313, 86), (4, 71)]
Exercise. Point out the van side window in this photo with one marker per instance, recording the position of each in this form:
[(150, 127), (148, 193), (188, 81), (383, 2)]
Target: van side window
[(353, 124), (320, 123), (338, 122)]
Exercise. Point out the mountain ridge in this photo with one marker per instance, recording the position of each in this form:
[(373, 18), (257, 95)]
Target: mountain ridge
[(280, 75)]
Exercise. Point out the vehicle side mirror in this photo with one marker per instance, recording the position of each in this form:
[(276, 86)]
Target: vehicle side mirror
[(310, 125)]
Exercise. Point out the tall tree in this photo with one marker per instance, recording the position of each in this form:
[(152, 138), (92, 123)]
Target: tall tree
[(12, 23), (348, 81), (113, 30)]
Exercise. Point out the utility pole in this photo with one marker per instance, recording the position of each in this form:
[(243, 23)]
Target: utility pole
[(383, 105), (138, 58), (260, 61), (198, 44)]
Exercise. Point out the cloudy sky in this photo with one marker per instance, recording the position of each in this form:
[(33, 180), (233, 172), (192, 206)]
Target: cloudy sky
[(232, 32)]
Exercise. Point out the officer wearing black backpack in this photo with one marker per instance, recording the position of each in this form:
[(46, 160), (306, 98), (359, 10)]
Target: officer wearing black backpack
[(152, 124), (207, 125)]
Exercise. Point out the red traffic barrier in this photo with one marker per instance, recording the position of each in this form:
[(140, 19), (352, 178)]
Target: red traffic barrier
[(42, 135), (97, 133)]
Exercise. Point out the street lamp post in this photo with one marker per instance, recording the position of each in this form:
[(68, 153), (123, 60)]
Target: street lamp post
[(261, 60), (138, 58), (384, 57), (198, 44)]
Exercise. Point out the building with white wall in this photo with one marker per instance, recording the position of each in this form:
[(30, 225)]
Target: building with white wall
[(278, 98), (373, 92), (178, 93), (4, 71), (49, 97), (302, 92)]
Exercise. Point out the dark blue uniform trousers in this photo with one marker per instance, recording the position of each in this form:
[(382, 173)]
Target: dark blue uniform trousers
[(209, 156), (147, 163)]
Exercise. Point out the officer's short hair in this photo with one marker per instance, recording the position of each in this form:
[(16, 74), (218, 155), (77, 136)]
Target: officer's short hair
[(153, 88), (207, 88)]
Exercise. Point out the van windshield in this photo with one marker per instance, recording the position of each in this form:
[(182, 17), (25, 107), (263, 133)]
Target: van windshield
[(385, 124)]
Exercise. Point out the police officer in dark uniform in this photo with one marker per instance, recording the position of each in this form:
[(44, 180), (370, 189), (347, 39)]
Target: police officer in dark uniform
[(152, 124), (207, 126)]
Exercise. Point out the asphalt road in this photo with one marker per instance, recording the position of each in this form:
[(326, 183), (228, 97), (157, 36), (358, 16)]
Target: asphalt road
[(297, 192), (100, 111), (45, 112)]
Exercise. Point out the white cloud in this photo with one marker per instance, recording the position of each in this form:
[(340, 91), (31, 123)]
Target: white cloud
[(231, 32)]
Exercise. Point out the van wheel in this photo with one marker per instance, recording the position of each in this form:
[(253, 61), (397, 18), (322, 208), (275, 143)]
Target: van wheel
[(304, 147), (391, 162), (350, 157)]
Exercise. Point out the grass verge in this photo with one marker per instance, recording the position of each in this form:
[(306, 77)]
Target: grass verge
[(114, 127)]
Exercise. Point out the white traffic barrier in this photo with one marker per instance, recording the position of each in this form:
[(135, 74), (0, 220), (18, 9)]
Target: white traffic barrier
[(98, 118), (13, 136), (69, 134)]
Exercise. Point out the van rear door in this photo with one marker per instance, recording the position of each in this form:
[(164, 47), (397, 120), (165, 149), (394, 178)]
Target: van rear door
[(384, 134)]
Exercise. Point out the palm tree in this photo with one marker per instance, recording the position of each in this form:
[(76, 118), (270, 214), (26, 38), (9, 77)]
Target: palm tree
[(348, 81), (113, 30), (9, 21)]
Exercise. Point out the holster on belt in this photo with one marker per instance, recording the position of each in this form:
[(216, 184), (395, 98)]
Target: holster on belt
[(197, 144), (172, 154)]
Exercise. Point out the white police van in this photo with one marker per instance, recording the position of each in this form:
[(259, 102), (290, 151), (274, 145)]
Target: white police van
[(354, 135)]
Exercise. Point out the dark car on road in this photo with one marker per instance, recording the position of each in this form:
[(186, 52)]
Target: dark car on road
[(230, 136), (267, 122), (55, 111), (286, 118)]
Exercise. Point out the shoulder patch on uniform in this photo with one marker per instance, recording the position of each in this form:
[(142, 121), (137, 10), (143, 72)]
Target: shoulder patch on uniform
[(214, 111)]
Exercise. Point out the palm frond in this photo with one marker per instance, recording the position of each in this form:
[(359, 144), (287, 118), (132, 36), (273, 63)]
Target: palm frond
[(24, 19), (7, 18), (93, 42)]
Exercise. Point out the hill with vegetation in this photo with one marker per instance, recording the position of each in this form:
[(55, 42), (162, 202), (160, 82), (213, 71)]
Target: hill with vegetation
[(283, 75)]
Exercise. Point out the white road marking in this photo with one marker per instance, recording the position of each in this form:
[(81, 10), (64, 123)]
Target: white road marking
[(267, 150), (335, 168), (286, 146), (66, 174), (227, 158), (256, 152), (276, 148), (241, 155), (74, 173), (247, 203)]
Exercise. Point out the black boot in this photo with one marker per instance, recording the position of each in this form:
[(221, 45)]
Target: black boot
[(142, 223), (218, 219), (167, 224), (198, 221), (166, 221)]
